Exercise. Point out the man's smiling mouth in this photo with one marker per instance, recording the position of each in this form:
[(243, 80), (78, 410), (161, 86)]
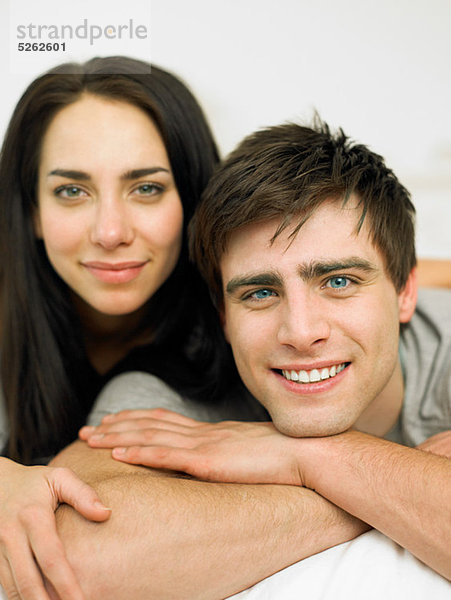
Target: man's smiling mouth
[(314, 375)]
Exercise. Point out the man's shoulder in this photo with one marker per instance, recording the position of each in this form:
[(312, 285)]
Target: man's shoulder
[(429, 330), (425, 351), (433, 311), (434, 297)]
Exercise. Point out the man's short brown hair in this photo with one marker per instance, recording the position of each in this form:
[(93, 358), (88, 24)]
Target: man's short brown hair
[(286, 172)]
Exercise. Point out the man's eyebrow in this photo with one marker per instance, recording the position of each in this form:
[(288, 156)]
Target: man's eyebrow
[(317, 269), (128, 175), (271, 278)]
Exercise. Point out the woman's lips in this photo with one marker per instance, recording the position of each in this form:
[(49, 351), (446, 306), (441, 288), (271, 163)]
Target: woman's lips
[(115, 272)]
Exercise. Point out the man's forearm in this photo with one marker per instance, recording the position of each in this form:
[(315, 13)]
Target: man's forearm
[(171, 537), (403, 492)]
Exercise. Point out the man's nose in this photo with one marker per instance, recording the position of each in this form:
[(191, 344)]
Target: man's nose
[(304, 324), (112, 224)]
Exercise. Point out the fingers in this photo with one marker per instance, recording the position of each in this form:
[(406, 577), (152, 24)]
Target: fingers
[(175, 459), (19, 574), (144, 422), (186, 460), (53, 561), (22, 579), (28, 536), (143, 437), (138, 419), (7, 581), (161, 414), (439, 444), (68, 488), (132, 425)]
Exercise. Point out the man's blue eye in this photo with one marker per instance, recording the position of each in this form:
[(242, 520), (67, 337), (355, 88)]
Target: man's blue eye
[(262, 294), (338, 282)]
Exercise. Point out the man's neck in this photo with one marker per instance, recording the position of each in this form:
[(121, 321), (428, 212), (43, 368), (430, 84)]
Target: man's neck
[(384, 411)]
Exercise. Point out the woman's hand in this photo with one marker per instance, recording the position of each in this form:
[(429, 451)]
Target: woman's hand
[(230, 451), (439, 444), (30, 548)]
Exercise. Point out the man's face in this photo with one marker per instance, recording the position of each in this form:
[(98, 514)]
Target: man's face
[(313, 322)]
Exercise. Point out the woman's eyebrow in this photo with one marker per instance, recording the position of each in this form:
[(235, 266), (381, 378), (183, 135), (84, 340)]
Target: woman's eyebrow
[(70, 174), (137, 173), (269, 278), (83, 176)]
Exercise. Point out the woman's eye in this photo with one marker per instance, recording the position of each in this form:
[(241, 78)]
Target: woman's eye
[(69, 191), (338, 283), (148, 189)]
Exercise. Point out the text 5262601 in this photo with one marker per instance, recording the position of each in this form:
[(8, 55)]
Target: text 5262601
[(41, 46)]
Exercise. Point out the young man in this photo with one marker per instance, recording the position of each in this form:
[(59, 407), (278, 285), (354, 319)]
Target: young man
[(307, 244)]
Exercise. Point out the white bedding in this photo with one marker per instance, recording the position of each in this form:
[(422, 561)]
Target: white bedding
[(371, 567)]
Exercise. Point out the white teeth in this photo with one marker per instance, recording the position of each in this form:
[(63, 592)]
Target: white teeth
[(294, 376), (304, 377), (314, 375)]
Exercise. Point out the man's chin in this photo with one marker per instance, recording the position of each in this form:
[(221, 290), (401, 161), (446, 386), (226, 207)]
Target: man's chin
[(293, 428)]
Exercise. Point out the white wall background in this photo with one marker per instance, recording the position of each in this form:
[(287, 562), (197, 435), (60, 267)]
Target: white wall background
[(381, 69)]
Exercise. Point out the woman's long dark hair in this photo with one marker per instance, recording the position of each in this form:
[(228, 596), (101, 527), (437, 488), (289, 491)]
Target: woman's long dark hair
[(43, 361)]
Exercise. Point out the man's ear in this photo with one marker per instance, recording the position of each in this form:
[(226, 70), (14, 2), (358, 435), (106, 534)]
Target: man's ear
[(407, 298)]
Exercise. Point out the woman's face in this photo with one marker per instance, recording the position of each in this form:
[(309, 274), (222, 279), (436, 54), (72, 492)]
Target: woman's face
[(109, 213)]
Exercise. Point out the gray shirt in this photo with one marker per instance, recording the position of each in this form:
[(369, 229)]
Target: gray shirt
[(425, 352), (141, 390)]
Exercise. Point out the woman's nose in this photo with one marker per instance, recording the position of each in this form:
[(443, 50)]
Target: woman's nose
[(112, 225)]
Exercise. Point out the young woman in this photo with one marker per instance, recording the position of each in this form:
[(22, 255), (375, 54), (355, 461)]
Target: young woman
[(101, 168)]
